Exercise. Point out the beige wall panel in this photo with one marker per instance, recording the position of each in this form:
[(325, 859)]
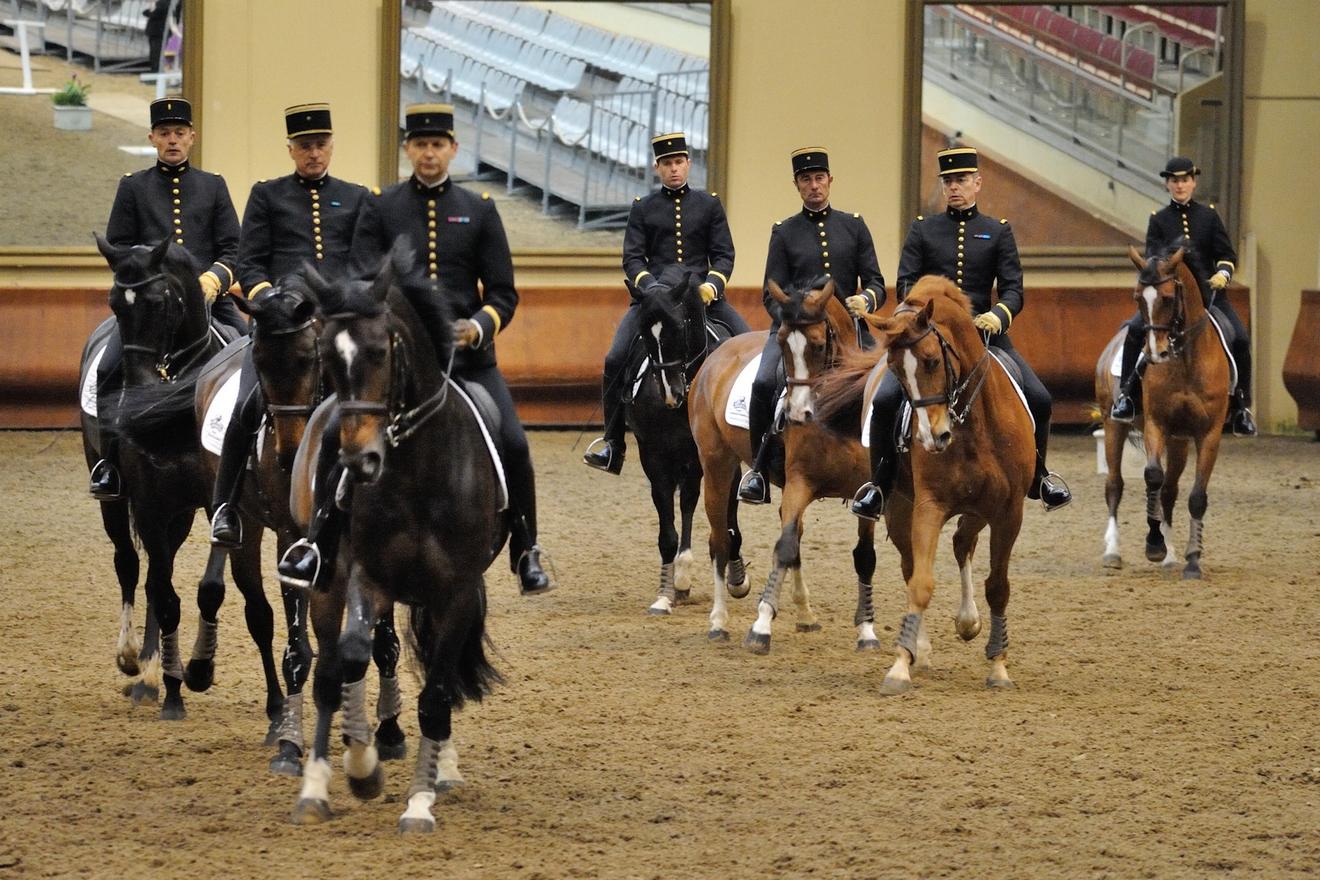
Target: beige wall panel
[(264, 55), (829, 75)]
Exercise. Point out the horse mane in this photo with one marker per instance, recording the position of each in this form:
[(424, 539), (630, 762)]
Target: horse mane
[(937, 287), (840, 391), (1150, 274)]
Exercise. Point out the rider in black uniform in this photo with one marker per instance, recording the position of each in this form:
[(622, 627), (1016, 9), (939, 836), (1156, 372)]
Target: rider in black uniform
[(977, 253), (673, 226), (1189, 224), (304, 217)]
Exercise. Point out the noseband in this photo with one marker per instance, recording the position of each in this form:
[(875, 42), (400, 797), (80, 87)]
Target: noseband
[(1177, 327), (169, 364), (952, 397)]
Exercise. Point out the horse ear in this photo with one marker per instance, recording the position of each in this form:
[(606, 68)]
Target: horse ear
[(776, 292), (818, 299), (112, 253), (926, 313), (159, 251), (828, 289), (401, 257), (318, 289), (1135, 256), (1176, 258), (304, 311)]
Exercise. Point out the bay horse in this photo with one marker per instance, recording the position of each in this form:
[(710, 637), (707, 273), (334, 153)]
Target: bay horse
[(820, 460), (287, 363), (1185, 388), (675, 342), (428, 516), (973, 456), (162, 318)]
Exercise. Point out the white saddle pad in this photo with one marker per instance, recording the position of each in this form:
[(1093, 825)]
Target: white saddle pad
[(218, 413), (88, 395), (999, 359), (1116, 366), (740, 396), (490, 444)]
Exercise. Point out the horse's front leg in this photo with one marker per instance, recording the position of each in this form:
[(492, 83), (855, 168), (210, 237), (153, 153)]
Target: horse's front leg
[(313, 805), (721, 496), (968, 621), (390, 744), (297, 664), (797, 495), (1175, 463), (1003, 535), (245, 564), (1207, 451), (1116, 434), (689, 492), (927, 519), (161, 542), (365, 605), (200, 673), (1157, 549), (662, 497), (114, 517), (864, 565)]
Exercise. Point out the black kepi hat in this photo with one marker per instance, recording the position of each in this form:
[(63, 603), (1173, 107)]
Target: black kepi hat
[(167, 110), (957, 160), (672, 144), (810, 159), (302, 119), (424, 119), (1179, 166)]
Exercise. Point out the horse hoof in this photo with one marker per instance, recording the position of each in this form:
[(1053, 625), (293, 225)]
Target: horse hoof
[(717, 635), (892, 686), (369, 786), (864, 645), (173, 712), (310, 811), (682, 597), (1156, 552), (200, 675), (738, 591), (1000, 684), (391, 751), (968, 630), (657, 611), (1191, 574), (143, 695), (128, 665), (757, 643), (416, 826), (286, 765), (808, 627), (444, 786), (1111, 560)]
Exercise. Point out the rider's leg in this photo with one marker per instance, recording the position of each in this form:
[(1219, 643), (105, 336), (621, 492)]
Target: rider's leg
[(870, 500), (755, 487), (1046, 485), (1126, 406), (309, 562), (608, 451), (240, 437), (105, 483), (1240, 419)]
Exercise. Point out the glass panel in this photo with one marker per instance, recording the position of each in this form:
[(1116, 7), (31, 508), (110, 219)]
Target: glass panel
[(556, 103), (58, 182), (1075, 109)]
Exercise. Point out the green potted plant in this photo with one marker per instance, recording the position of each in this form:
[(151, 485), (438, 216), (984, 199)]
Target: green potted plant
[(71, 110)]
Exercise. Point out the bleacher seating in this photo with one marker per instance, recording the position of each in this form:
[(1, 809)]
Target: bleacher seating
[(1099, 52)]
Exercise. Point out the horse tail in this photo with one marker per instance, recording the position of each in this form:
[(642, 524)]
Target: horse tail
[(839, 391), (450, 646)]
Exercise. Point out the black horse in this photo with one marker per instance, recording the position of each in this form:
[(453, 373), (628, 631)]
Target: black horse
[(675, 340), (162, 319), (426, 520), (285, 364)]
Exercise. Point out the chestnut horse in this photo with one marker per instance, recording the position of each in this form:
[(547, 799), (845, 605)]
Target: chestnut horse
[(1185, 389), (820, 460), (972, 456)]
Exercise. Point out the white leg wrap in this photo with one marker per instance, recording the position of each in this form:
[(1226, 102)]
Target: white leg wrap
[(360, 760), (683, 570), (151, 676), (419, 806), (968, 622), (1170, 558), (719, 609), (316, 779), (129, 644)]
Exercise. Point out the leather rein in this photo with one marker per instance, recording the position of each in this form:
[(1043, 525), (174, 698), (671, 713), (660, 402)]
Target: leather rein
[(957, 397), (1178, 332), (169, 364)]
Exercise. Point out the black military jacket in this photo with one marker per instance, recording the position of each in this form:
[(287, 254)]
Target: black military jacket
[(830, 242), (458, 240), (975, 251), (1176, 225), (187, 204), (685, 227), (290, 221)]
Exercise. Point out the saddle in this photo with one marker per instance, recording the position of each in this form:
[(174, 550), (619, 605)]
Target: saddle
[(488, 416)]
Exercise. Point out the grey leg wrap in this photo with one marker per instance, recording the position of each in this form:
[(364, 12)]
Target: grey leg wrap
[(290, 729), (667, 582), (353, 723), (1154, 512), (428, 761), (907, 634), (998, 642), (770, 595), (390, 702), (169, 655), (1194, 539), (737, 571), (865, 613), (208, 636)]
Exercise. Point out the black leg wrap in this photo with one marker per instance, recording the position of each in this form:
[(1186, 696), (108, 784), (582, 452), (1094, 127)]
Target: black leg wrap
[(865, 612), (770, 595), (907, 634), (998, 642)]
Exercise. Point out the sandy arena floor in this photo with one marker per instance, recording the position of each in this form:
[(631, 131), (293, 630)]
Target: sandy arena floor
[(1159, 729)]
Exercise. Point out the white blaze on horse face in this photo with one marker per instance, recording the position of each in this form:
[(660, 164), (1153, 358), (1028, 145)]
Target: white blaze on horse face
[(670, 398), (924, 435), (346, 347), (799, 396), (1152, 296), (130, 296)]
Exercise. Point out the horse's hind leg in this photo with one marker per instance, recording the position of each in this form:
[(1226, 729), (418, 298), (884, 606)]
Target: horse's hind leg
[(313, 805), (864, 565), (662, 497), (1116, 434), (1157, 548), (968, 621), (721, 496), (297, 663), (162, 542), (114, 517), (787, 556), (1207, 451), (200, 672), (390, 744), (245, 564), (1003, 535), (689, 492), (1176, 463)]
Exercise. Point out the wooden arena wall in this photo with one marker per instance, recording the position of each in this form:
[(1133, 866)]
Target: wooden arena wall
[(553, 351)]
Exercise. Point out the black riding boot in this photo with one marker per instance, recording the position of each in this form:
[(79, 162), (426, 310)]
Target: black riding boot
[(755, 488), (308, 562), (532, 578), (870, 500), (1128, 405), (607, 452), (1239, 402), (1047, 487), (226, 524), (105, 483)]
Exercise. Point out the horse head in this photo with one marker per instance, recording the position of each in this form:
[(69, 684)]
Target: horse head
[(673, 330), (160, 309), (368, 333), (809, 337), (1161, 294), (286, 358), (922, 341)]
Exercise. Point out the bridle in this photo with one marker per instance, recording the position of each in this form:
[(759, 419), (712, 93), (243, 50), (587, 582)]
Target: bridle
[(831, 347), (293, 410), (403, 423), (686, 366), (957, 397), (169, 364), (1177, 327)]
